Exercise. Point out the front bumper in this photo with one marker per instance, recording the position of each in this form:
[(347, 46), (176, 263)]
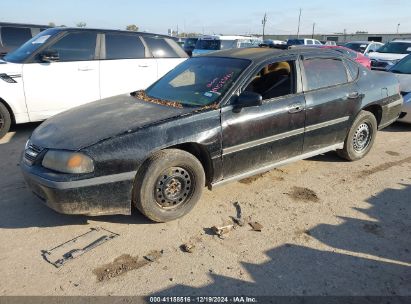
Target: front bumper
[(93, 196)]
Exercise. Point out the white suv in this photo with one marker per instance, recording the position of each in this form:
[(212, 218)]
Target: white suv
[(389, 54), (62, 68)]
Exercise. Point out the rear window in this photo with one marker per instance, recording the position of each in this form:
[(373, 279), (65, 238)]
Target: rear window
[(322, 73), (123, 46), (163, 48), (208, 44), (13, 37)]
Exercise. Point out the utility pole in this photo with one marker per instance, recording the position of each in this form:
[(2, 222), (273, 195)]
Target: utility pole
[(345, 35), (398, 28), (312, 36), (299, 21), (264, 21)]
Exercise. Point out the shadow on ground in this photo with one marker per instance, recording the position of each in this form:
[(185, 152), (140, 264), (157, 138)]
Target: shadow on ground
[(375, 261)]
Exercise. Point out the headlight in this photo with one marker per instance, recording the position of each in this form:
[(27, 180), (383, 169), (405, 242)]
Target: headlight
[(68, 162)]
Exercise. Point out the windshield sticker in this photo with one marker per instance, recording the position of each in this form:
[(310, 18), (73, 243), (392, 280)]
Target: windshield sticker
[(208, 94), (220, 84), (41, 39)]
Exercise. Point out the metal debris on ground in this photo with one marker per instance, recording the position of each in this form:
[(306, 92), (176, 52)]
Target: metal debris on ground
[(223, 230), (76, 247), (238, 218), (256, 226)]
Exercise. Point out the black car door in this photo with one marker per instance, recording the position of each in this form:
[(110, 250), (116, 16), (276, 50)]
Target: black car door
[(332, 97), (254, 137)]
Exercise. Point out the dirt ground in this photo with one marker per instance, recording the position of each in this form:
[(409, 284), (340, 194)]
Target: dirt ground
[(330, 227)]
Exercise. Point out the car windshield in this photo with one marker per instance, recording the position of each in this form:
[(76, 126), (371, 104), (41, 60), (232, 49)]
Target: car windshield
[(190, 42), (208, 44), (199, 81), (358, 47), (295, 42), (403, 67), (23, 52), (396, 47)]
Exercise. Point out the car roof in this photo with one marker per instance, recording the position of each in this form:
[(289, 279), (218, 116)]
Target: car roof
[(362, 42), (109, 31), (401, 40), (261, 54), (11, 24)]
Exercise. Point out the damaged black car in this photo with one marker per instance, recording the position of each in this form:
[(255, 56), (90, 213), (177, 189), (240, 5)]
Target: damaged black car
[(211, 120)]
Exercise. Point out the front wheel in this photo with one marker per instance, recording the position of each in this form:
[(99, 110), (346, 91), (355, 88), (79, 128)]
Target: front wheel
[(168, 185), (5, 120), (360, 138)]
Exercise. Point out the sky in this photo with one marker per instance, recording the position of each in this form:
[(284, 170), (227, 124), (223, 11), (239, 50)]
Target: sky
[(217, 16)]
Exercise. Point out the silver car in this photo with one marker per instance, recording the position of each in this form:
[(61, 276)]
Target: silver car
[(403, 72)]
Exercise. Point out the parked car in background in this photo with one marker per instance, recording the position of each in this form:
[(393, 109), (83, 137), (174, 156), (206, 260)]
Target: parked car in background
[(208, 44), (303, 41), (364, 47), (358, 57), (402, 70), (213, 119), (62, 68), (13, 35), (278, 44), (389, 54), (189, 45)]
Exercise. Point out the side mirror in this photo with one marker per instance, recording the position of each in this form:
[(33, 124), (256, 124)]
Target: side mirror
[(248, 99), (49, 56), (371, 51)]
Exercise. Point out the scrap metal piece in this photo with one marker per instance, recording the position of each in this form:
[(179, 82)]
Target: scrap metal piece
[(256, 226), (76, 247), (154, 255)]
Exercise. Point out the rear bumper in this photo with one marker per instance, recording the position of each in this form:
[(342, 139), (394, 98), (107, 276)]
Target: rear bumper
[(95, 196), (391, 110)]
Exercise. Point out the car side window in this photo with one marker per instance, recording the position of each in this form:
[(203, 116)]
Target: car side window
[(123, 46), (161, 48), (324, 72), (274, 80), (77, 46), (15, 36), (309, 41)]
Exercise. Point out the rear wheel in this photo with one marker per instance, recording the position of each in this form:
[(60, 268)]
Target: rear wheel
[(360, 138), (168, 185), (5, 120)]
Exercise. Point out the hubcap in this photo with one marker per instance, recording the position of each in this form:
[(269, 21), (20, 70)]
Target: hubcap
[(362, 137), (173, 187)]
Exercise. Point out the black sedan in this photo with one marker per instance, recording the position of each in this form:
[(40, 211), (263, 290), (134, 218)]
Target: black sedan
[(212, 120)]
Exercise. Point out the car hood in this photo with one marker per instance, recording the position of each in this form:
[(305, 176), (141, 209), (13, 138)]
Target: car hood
[(88, 124), (386, 56), (405, 82)]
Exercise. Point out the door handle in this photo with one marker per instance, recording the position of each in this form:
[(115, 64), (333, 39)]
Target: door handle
[(85, 69), (353, 95), (143, 66), (295, 108)]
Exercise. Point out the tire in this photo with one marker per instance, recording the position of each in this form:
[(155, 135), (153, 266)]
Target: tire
[(168, 185), (360, 138), (5, 120)]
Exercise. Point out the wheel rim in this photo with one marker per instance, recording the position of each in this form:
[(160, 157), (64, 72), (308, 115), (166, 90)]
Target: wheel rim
[(362, 137), (173, 188)]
